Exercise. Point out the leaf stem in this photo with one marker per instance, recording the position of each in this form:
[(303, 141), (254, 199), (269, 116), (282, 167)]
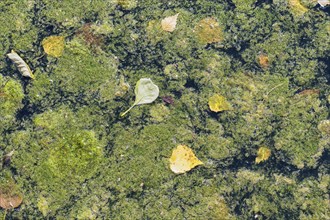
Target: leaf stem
[(125, 112)]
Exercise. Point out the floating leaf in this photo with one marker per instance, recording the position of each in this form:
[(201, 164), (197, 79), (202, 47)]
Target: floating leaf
[(10, 201), (307, 92), (218, 103), (297, 8), (324, 3), (183, 159), (10, 197), (21, 65), (263, 60), (145, 92), (169, 23), (53, 45), (263, 154)]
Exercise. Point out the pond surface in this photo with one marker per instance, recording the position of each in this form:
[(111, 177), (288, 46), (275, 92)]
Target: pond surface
[(230, 116)]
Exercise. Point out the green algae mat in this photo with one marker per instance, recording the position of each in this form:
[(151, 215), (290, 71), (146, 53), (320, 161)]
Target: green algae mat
[(230, 119)]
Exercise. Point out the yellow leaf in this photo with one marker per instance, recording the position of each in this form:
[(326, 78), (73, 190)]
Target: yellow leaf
[(183, 159), (263, 154), (53, 45), (218, 103), (169, 23), (297, 7)]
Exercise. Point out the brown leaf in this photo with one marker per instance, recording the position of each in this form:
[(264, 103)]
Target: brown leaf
[(10, 201), (263, 60), (10, 195)]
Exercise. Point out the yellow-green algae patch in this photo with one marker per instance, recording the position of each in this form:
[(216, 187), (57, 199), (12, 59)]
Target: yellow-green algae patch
[(67, 155), (208, 30), (11, 96)]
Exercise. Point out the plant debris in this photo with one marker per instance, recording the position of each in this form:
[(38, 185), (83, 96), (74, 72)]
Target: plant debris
[(168, 100), (10, 197), (53, 45), (183, 159), (21, 65), (218, 103), (145, 92), (7, 158), (169, 23), (263, 154)]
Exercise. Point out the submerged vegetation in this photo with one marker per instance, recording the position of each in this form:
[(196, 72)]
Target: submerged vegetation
[(244, 83)]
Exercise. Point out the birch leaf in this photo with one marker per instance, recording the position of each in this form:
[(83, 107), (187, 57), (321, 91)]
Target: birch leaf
[(263, 154), (145, 92), (218, 103), (21, 65), (53, 45), (169, 23), (183, 159), (324, 3)]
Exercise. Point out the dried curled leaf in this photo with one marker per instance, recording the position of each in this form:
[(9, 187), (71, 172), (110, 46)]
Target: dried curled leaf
[(53, 45), (183, 159), (169, 23), (145, 92), (218, 103), (263, 154), (21, 65)]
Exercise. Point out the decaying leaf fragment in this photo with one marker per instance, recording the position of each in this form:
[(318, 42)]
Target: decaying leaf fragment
[(53, 45), (263, 60), (145, 92), (263, 154), (218, 103), (8, 201), (169, 23), (7, 158), (10, 197), (183, 159), (21, 65)]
